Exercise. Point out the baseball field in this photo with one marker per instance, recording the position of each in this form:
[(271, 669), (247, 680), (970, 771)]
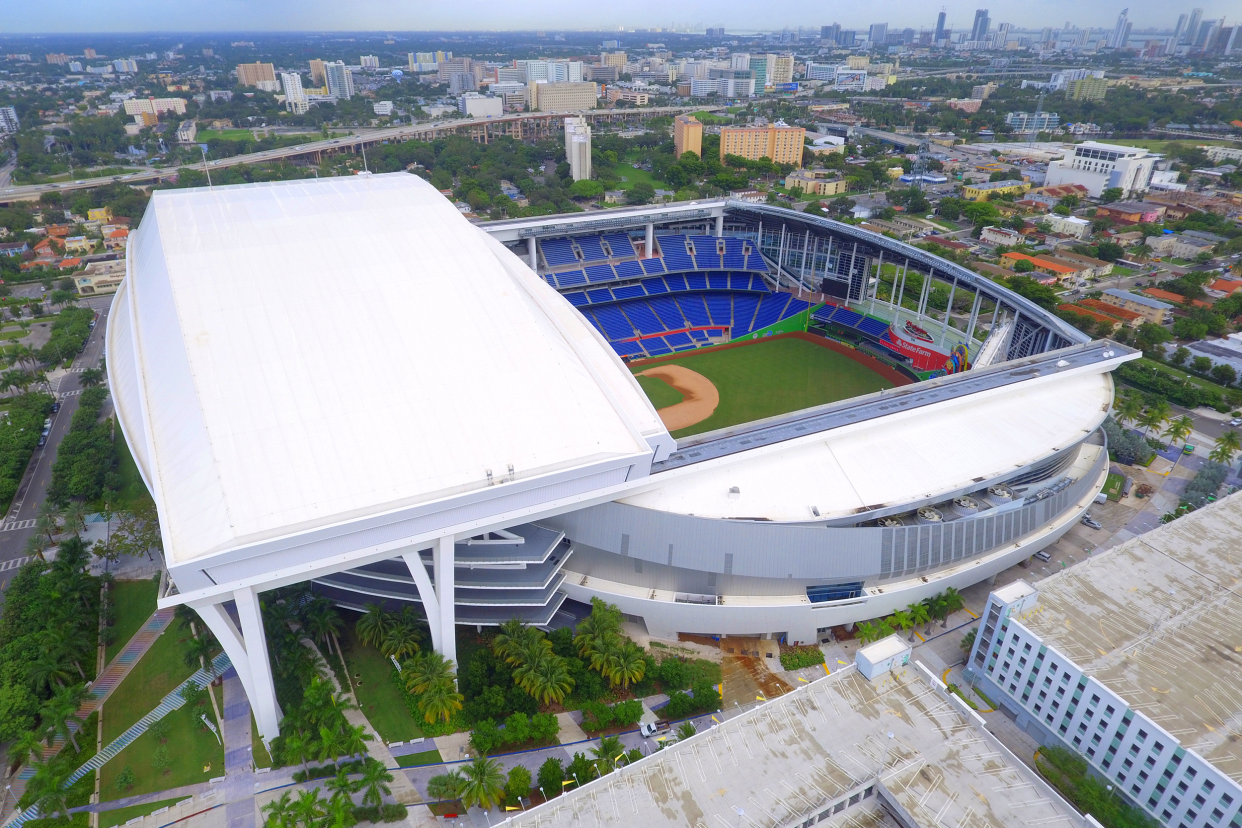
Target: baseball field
[(714, 388)]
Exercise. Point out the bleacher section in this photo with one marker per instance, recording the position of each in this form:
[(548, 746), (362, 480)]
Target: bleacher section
[(586, 259), (846, 318)]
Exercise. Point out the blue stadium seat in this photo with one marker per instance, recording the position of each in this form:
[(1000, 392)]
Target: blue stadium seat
[(558, 252), (769, 310), (656, 347), (698, 336), (872, 326), (824, 314), (620, 244), (628, 349), (653, 266), (570, 278), (696, 281), (739, 281), (720, 305), (676, 257), (628, 291), (744, 306), (600, 273), (655, 286), (679, 340), (847, 317), (734, 261), (550, 279), (611, 321), (694, 310), (591, 249), (755, 262), (677, 282), (665, 308), (718, 281), (599, 295), (577, 298), (628, 270), (640, 314), (795, 307)]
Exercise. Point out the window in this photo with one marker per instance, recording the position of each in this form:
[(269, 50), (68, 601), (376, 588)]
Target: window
[(1142, 735), (1127, 764), (1191, 773), (1208, 785), (1109, 710), (1199, 801), (1095, 699), (1181, 787), (1216, 814), (1091, 752)]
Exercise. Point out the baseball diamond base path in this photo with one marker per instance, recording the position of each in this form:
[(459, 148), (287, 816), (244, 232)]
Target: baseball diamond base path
[(699, 395)]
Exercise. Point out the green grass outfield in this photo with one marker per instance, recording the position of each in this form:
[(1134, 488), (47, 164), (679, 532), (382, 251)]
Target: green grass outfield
[(771, 377)]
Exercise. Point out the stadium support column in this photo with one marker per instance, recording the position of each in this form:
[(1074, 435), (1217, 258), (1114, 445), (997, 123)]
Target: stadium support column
[(879, 273), (649, 242), (532, 250), (247, 649), (974, 317), (438, 600), (720, 225), (948, 313)]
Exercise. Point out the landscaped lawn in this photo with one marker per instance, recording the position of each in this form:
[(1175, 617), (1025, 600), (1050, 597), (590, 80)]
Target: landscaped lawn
[(262, 759), (427, 757), (135, 603), (119, 816), (1118, 270), (379, 698), (711, 118), (154, 676), (205, 135), (195, 753), (133, 490), (627, 175)]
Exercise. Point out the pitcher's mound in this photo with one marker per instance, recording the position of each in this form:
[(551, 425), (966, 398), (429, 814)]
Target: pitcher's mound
[(699, 394)]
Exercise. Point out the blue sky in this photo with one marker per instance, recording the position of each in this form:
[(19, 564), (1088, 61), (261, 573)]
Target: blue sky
[(379, 15)]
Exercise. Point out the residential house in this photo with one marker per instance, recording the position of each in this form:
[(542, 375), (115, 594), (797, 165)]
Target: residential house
[(1128, 317), (1179, 246), (1073, 226), (948, 244), (1224, 287), (1150, 308), (100, 277), (1092, 314), (14, 248), (1061, 272), (1001, 235), (103, 215), (1096, 267), (79, 244), (992, 189), (1060, 191), (1131, 212), (70, 263), (816, 182), (117, 239)]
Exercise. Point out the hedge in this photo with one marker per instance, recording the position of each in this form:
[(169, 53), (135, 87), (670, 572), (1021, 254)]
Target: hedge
[(802, 656)]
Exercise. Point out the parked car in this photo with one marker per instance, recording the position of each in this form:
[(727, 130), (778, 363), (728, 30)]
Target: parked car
[(42, 440), (1043, 556), (1090, 522), (1235, 422), (55, 407), (650, 729)]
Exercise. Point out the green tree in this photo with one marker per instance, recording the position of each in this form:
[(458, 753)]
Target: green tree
[(641, 193), (1128, 408), (517, 787), (446, 786), (586, 188), (606, 753), (1180, 355), (902, 621), (160, 759), (90, 377), (551, 775), (1023, 266), (1178, 430), (1224, 374), (1111, 194), (1225, 447), (372, 627), (919, 615), (308, 808), (483, 785), (126, 780)]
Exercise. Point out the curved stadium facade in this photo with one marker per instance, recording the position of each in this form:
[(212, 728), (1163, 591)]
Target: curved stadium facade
[(442, 415)]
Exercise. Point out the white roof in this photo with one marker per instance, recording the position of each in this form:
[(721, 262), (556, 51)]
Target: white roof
[(292, 355), (897, 459), (888, 647)]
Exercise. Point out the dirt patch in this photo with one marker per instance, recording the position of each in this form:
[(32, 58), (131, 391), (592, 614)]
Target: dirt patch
[(699, 394)]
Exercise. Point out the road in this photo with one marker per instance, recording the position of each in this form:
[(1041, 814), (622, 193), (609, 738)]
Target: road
[(403, 132), (25, 507)]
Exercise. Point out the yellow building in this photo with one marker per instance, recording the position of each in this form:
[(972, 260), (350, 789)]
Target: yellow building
[(562, 97), (1087, 89), (816, 182), (991, 189), (617, 59), (251, 74), (687, 136), (780, 143), (100, 214)]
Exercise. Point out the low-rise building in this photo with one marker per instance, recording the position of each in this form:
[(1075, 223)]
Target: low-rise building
[(629, 96), (100, 277), (1001, 235), (1128, 317), (816, 182), (14, 248), (117, 239), (1095, 267), (187, 131), (100, 214), (1179, 246), (1092, 314), (1067, 272), (78, 244), (474, 105), (1078, 228), (1131, 212), (991, 189), (1151, 309)]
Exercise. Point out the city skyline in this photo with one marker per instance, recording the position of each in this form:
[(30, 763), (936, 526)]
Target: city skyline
[(68, 17)]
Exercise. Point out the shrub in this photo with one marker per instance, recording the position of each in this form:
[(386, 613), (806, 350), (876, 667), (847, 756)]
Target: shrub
[(705, 695), (544, 727), (596, 716), (517, 729), (679, 706), (673, 674), (518, 784), (800, 657), (627, 713), (125, 779), (486, 737), (393, 812), (551, 775)]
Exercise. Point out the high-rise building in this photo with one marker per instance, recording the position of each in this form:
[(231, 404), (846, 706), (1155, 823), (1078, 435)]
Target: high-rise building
[(339, 79), (780, 69), (878, 34), (1181, 27), (1192, 27), (1121, 32), (779, 142), (8, 120), (939, 34), (250, 74), (982, 22), (295, 95), (89, 54), (123, 66), (831, 34), (318, 76), (451, 66), (617, 59), (716, 32), (741, 60), (578, 147), (759, 67), (369, 61), (687, 136), (1087, 89)]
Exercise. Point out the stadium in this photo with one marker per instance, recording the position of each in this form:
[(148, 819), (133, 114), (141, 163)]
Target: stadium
[(725, 418)]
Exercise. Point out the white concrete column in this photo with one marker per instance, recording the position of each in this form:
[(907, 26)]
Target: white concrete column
[(532, 251), (431, 602), (266, 711), (649, 242), (247, 649), (442, 562), (720, 226)]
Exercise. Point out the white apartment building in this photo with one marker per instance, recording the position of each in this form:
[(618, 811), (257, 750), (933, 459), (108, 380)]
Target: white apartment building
[(821, 71), (125, 66), (1100, 167), (154, 106), (1221, 155), (295, 95), (340, 80), (1074, 226), (1028, 121), (1120, 659), (369, 62), (8, 120), (382, 108), (474, 105), (551, 71), (578, 147), (422, 61)]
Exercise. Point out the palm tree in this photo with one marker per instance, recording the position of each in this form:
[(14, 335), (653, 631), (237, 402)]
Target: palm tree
[(279, 812), (340, 813), (867, 632), (49, 669), (1156, 415), (400, 642), (603, 622), (47, 526), (58, 714), (686, 730), (483, 783), (375, 779), (198, 650), (1226, 446), (952, 603), (341, 785), (884, 629), (28, 746), (440, 701), (511, 632), (626, 665), (902, 621), (330, 744), (446, 786), (1128, 408), (919, 614), (308, 808), (298, 746), (606, 753), (354, 739), (373, 625), (426, 670), (1180, 429), (48, 785), (91, 377), (36, 545)]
